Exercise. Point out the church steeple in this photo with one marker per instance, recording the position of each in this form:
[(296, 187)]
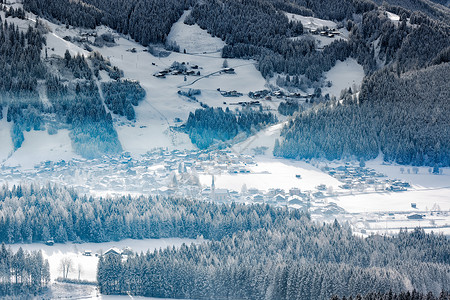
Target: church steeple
[(213, 188)]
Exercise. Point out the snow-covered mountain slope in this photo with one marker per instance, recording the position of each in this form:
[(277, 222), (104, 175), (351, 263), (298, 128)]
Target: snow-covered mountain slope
[(156, 115)]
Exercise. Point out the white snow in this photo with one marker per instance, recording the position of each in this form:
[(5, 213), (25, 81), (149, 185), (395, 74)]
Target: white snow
[(193, 39), (344, 74), (88, 264), (39, 146), (393, 17), (422, 180), (155, 115), (395, 201), (274, 173), (311, 22)]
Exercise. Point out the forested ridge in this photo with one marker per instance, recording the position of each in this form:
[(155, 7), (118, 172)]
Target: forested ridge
[(36, 214), (405, 118)]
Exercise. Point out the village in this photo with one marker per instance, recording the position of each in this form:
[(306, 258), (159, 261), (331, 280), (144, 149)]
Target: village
[(193, 174), (176, 173)]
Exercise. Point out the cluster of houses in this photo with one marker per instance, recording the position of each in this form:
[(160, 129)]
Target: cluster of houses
[(183, 68), (267, 95), (161, 172), (361, 178), (331, 33), (230, 93)]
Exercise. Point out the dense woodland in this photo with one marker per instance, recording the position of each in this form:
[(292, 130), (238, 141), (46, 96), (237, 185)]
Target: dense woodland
[(401, 109), (405, 118), (22, 273), (214, 125), (121, 96), (291, 259), (410, 295), (146, 21)]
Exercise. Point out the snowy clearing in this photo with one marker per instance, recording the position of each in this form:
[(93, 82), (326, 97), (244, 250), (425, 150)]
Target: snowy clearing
[(343, 75), (274, 173), (395, 201), (193, 39), (39, 146)]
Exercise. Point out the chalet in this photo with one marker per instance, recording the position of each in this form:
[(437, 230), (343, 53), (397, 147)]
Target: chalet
[(113, 251), (50, 242), (296, 201), (415, 217), (278, 94), (394, 188), (258, 198), (87, 253), (321, 187), (228, 71), (280, 198), (318, 195), (231, 94), (274, 192)]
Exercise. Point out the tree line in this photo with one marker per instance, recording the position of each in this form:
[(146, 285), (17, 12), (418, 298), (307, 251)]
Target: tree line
[(35, 214)]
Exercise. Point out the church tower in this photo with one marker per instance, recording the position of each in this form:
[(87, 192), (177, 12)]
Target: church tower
[(213, 188)]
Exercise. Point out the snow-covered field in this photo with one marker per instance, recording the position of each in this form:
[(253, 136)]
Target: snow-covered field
[(40, 146), (274, 173), (343, 75), (85, 267)]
